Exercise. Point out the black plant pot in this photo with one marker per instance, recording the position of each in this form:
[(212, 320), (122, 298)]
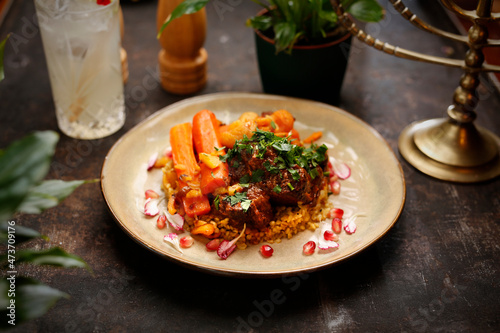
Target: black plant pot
[(313, 72)]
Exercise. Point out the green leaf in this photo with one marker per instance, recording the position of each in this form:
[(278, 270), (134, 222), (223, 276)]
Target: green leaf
[(53, 257), (261, 23), (328, 15), (185, 7), (23, 165), (245, 179), (366, 10), (2, 49), (21, 233), (284, 35), (217, 202), (257, 175), (239, 197), (49, 194), (245, 204), (295, 174), (32, 300)]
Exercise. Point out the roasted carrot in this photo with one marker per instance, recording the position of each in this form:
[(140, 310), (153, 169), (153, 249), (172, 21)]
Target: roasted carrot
[(187, 169), (283, 120), (293, 135), (206, 141), (313, 137)]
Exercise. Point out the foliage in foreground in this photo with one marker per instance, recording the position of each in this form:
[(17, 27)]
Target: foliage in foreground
[(23, 166)]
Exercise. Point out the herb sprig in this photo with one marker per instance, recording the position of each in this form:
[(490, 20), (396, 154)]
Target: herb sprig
[(238, 197), (288, 154)]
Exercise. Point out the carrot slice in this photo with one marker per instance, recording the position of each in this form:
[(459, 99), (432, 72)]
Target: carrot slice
[(187, 169), (207, 141), (313, 137), (283, 120)]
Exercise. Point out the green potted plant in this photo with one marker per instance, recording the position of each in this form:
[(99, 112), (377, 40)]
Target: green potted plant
[(301, 48)]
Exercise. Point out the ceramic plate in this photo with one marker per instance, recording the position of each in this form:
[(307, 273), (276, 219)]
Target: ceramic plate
[(376, 187)]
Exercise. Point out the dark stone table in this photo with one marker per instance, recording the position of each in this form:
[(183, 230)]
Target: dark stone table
[(437, 270)]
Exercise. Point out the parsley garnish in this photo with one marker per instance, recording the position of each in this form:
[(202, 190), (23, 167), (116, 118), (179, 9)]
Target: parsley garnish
[(294, 173), (245, 179), (245, 204), (288, 153), (288, 157), (257, 175), (239, 197), (217, 202)]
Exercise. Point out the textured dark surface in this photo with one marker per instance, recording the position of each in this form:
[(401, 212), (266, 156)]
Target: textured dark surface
[(437, 270)]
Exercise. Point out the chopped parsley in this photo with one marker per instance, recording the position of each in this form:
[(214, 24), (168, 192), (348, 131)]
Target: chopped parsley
[(289, 154), (245, 179), (295, 174), (239, 197), (257, 175), (217, 202)]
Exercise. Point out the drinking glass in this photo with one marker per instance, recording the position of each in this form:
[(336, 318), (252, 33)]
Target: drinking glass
[(81, 40)]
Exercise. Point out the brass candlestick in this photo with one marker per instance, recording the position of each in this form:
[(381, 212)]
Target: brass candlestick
[(453, 148)]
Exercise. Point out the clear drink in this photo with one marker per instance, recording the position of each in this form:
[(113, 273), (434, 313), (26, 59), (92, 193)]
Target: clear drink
[(81, 40)]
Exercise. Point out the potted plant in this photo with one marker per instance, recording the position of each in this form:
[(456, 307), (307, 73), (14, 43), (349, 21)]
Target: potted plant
[(302, 51)]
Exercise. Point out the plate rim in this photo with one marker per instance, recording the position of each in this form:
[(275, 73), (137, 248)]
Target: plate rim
[(241, 273)]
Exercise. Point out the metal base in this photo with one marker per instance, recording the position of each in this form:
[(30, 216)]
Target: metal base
[(448, 172)]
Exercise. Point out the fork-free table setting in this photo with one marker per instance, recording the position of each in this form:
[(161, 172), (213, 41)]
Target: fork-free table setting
[(423, 258)]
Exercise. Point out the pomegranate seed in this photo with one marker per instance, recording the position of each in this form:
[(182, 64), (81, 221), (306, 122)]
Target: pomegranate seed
[(335, 187), (330, 236), (168, 152), (161, 221), (186, 241), (266, 251), (309, 248), (151, 194), (213, 244), (337, 225), (330, 168), (335, 212)]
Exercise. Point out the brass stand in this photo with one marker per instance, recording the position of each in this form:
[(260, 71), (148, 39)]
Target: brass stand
[(452, 149)]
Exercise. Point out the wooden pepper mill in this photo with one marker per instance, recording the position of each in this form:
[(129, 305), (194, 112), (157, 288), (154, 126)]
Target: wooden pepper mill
[(182, 60)]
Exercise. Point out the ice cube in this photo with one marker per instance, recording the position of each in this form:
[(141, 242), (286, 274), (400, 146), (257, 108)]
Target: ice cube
[(78, 48)]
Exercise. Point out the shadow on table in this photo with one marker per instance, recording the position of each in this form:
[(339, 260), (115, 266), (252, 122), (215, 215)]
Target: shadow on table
[(244, 303)]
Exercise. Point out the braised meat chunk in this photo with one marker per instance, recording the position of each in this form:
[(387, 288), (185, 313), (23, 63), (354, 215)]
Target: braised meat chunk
[(254, 208), (304, 190), (271, 170)]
